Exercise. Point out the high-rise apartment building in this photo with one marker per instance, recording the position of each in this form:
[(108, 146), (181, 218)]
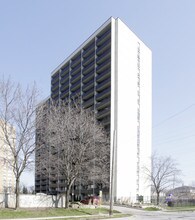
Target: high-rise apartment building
[(112, 73), (7, 178)]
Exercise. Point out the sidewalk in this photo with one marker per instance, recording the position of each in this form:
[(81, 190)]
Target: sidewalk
[(73, 217)]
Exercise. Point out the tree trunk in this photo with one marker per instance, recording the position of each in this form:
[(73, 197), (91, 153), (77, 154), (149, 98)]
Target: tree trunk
[(67, 197), (17, 193), (157, 198)]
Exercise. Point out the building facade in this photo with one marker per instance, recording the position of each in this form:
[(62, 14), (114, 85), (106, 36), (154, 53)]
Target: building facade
[(7, 178), (112, 74)]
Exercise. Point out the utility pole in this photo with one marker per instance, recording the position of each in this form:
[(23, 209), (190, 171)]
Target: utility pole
[(112, 173)]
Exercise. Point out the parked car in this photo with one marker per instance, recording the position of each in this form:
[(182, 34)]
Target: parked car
[(90, 200)]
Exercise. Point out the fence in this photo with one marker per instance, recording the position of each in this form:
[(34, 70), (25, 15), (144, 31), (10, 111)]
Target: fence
[(32, 201)]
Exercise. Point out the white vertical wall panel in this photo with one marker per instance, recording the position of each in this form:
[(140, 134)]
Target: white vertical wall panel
[(127, 159)]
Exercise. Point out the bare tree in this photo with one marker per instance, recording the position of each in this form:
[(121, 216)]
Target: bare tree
[(76, 146), (163, 175), (17, 125)]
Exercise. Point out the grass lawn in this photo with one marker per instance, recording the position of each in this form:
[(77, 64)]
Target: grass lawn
[(151, 209), (184, 208), (35, 213)]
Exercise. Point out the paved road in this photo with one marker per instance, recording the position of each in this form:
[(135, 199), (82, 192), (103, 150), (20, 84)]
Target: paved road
[(160, 215)]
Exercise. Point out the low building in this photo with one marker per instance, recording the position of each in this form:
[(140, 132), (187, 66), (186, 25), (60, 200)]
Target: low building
[(7, 178)]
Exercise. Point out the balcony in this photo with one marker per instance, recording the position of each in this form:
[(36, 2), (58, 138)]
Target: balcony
[(104, 37), (55, 95), (76, 85), (53, 184), (62, 184), (104, 56), (88, 59), (105, 121), (64, 94), (37, 183), (100, 50), (104, 103), (101, 114), (76, 70), (88, 76), (55, 77), (64, 78), (43, 188), (54, 86), (76, 60), (44, 182), (103, 65), (88, 94), (76, 77), (65, 86), (104, 75), (76, 93), (55, 80), (88, 103), (89, 49), (105, 93), (65, 70), (88, 68), (103, 85), (88, 85)]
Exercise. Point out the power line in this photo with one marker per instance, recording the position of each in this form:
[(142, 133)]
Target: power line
[(173, 116)]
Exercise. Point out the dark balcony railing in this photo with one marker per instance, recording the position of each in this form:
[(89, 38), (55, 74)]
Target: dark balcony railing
[(64, 86), (53, 184), (103, 94), (37, 183), (76, 85), (88, 76), (88, 103), (89, 48), (88, 94), (76, 69), (75, 77), (55, 80), (43, 188), (103, 66), (55, 88), (100, 50), (64, 93), (75, 93), (103, 85), (104, 56), (105, 122), (55, 76), (103, 103), (62, 184), (64, 73), (104, 37), (88, 59), (64, 70), (88, 68), (54, 85), (44, 183), (65, 67), (103, 75), (103, 113), (55, 94), (56, 97), (64, 78), (76, 60), (88, 85)]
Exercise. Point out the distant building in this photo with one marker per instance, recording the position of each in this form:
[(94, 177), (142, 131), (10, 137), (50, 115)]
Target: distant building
[(183, 192), (7, 178), (112, 73)]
